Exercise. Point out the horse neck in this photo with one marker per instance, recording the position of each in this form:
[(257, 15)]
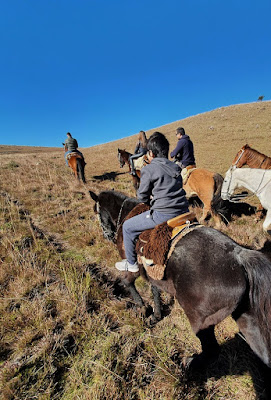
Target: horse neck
[(251, 179), (253, 159)]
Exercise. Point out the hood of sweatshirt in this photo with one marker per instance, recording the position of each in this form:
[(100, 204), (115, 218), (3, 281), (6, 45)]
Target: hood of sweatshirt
[(168, 166)]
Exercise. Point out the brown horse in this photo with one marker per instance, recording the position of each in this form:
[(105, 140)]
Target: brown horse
[(206, 185), (252, 158), (77, 164), (123, 157)]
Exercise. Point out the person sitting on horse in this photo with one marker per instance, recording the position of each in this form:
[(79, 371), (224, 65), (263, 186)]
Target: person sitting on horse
[(71, 146), (161, 187), (183, 153), (140, 150)]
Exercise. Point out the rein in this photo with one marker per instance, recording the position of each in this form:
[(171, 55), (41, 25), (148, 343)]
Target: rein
[(119, 217)]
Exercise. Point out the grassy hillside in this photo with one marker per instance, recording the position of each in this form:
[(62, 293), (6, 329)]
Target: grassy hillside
[(68, 328)]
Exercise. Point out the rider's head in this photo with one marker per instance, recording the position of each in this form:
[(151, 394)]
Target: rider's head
[(68, 134), (180, 132), (159, 145)]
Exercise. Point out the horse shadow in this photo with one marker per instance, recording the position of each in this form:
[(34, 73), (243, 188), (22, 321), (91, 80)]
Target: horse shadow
[(236, 358), (227, 209), (107, 176)]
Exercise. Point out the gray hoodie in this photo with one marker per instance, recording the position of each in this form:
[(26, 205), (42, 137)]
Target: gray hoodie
[(162, 180)]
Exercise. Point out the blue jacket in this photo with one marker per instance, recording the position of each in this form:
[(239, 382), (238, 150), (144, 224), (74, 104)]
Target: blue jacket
[(184, 151), (161, 185)]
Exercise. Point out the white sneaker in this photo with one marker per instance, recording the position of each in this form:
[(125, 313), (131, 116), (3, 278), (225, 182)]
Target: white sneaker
[(124, 265)]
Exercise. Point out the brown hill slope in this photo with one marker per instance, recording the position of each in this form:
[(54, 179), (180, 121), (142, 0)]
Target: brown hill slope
[(217, 136)]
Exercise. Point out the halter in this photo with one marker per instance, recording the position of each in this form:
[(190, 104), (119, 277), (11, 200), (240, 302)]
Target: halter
[(238, 197), (239, 158)]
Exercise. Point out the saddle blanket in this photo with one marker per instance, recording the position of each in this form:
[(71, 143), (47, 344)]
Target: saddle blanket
[(139, 162)]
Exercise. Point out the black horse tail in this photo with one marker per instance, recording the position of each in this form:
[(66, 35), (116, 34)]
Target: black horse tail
[(218, 205), (258, 271), (80, 165)]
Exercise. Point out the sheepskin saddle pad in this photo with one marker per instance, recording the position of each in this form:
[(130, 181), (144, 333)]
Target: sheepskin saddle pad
[(154, 246), (186, 172), (73, 154)]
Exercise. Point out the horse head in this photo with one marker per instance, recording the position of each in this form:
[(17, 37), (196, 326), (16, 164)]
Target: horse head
[(111, 207), (121, 158), (227, 186)]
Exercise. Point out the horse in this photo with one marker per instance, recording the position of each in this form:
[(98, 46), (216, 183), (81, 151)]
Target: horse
[(206, 185), (123, 157), (252, 158), (210, 275), (77, 164), (258, 181)]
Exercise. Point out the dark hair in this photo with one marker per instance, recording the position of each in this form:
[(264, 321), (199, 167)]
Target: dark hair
[(68, 133), (180, 130), (158, 144)]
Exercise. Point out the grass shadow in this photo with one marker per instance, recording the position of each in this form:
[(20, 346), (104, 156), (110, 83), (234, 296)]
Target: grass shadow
[(236, 358)]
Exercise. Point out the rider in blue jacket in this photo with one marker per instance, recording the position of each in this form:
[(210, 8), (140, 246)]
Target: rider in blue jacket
[(184, 151)]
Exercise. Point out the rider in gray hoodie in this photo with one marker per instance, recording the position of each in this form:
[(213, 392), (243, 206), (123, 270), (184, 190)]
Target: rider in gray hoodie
[(161, 187)]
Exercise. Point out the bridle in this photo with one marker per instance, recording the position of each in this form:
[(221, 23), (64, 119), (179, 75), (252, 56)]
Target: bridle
[(238, 197), (121, 160), (239, 158)]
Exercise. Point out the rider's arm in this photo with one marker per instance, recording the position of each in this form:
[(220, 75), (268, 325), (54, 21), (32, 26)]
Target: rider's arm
[(177, 149), (145, 188)]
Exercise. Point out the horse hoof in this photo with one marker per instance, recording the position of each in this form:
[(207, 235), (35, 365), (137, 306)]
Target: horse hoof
[(198, 363)]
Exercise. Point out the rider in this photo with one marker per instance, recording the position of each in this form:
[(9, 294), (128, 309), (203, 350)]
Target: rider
[(184, 151), (140, 150), (161, 186), (71, 146)]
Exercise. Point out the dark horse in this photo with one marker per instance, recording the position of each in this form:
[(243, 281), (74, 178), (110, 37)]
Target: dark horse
[(77, 164), (123, 157), (210, 275)]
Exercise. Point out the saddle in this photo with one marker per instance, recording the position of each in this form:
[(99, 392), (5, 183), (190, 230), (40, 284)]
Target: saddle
[(140, 162), (186, 172), (155, 246), (74, 154)]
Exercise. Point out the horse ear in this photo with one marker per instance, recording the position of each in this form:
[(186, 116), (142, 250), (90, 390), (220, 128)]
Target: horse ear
[(93, 196)]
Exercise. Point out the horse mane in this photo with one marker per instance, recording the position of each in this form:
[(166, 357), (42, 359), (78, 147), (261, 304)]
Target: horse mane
[(254, 158)]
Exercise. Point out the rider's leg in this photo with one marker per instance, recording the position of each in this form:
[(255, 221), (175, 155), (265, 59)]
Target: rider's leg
[(65, 156)]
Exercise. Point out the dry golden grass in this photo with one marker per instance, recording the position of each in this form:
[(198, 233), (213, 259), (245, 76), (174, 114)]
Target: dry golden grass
[(68, 329)]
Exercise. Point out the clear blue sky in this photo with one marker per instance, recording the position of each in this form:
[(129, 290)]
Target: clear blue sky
[(105, 69)]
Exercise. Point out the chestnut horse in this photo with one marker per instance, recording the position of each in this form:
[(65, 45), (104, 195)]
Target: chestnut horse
[(204, 184), (210, 275), (77, 164), (253, 159)]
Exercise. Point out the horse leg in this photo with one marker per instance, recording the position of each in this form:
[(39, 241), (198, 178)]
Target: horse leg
[(157, 303), (267, 222), (249, 327), (210, 351)]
